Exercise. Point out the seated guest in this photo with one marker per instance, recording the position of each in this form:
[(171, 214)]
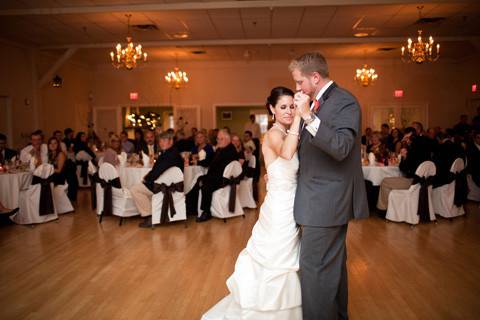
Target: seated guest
[(378, 148), (396, 140), (182, 143), (192, 138), (473, 155), (386, 136), (224, 154), (462, 128), (5, 153), (68, 140), (127, 145), (57, 157), (142, 192), (237, 143), (35, 150), (415, 151), (139, 141), (418, 126), (59, 135), (113, 151), (367, 136), (201, 144), (445, 153), (150, 148), (81, 144), (248, 141)]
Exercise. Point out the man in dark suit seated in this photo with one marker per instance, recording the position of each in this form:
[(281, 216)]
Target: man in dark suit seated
[(5, 153), (142, 192), (224, 154), (473, 155), (444, 155), (416, 150), (150, 148)]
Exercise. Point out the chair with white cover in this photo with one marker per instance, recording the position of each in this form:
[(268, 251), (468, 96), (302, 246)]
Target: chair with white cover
[(221, 206), (245, 189), (110, 188), (406, 205), (62, 203), (443, 197), (82, 158), (36, 204), (474, 189), (168, 200)]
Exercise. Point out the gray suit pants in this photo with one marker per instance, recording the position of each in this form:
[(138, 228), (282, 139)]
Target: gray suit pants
[(323, 273)]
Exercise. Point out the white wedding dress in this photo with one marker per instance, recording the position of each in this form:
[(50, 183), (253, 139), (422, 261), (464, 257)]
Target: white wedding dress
[(265, 284)]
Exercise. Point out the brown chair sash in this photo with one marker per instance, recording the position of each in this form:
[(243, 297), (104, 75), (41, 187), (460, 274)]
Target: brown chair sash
[(83, 170), (94, 179), (461, 187), (232, 182), (423, 206), (107, 194), (167, 198), (46, 198), (248, 171)]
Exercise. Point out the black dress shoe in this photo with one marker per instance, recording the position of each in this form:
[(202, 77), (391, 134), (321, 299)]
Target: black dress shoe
[(204, 217), (147, 223), (10, 212)]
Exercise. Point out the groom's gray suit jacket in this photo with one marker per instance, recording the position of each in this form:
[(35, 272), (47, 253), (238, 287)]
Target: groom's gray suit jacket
[(331, 188)]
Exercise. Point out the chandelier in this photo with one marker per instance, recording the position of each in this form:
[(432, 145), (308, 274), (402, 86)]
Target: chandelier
[(176, 78), (365, 76), (422, 50), (127, 57)]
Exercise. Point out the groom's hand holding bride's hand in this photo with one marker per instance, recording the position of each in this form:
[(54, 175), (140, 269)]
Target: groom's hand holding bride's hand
[(302, 103)]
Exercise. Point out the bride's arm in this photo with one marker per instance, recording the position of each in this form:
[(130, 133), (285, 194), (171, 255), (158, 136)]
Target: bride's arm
[(284, 148)]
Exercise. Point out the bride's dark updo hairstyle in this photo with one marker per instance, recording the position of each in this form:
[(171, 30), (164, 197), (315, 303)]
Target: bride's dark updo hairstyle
[(275, 94)]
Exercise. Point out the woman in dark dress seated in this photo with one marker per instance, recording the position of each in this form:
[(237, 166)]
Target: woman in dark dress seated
[(82, 145), (56, 157), (201, 144)]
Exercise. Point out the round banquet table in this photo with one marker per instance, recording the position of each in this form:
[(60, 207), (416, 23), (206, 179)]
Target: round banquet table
[(191, 174), (376, 174), (129, 176), (10, 186)]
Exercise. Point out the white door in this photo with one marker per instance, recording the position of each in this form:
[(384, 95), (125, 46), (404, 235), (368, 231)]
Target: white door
[(398, 115), (187, 117), (6, 119), (106, 120)]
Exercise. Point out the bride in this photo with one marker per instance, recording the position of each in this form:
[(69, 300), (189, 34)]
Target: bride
[(265, 284)]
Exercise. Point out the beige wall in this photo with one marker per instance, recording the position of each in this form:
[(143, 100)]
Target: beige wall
[(56, 108), (444, 86), (16, 83)]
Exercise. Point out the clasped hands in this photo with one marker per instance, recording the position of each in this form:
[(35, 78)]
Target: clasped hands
[(302, 104)]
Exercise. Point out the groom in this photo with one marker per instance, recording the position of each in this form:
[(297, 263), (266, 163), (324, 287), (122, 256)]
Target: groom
[(330, 189)]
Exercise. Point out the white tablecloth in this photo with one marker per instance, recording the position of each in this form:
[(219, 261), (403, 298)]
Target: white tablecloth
[(10, 186), (129, 176), (191, 174), (376, 174)]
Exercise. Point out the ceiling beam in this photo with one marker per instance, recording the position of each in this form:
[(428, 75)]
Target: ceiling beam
[(206, 6), (240, 42), (49, 74)]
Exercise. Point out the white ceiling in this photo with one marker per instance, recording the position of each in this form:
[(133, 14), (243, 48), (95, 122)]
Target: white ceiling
[(236, 30)]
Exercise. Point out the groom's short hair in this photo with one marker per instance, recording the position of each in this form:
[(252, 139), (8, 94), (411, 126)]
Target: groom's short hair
[(309, 63)]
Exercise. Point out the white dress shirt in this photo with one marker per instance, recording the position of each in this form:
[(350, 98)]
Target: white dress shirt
[(313, 126), (26, 156)]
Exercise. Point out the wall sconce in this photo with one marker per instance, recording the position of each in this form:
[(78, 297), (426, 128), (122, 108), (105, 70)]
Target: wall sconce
[(57, 82)]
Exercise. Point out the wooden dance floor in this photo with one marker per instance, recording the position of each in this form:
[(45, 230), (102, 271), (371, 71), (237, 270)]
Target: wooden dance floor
[(78, 269)]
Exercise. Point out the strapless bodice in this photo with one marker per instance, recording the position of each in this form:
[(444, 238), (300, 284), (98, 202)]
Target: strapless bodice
[(282, 174)]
